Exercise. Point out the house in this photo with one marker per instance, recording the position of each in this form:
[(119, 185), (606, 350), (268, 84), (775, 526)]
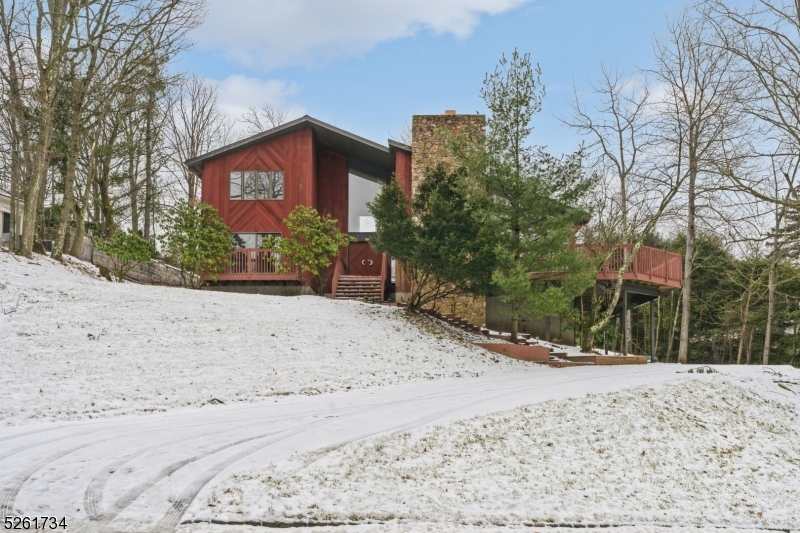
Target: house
[(256, 182), (5, 215)]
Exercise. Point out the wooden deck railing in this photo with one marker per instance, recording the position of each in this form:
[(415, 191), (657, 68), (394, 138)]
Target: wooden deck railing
[(651, 265), (338, 270), (256, 264)]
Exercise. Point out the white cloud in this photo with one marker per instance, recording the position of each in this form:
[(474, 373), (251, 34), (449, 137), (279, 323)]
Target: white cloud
[(274, 33), (237, 92)]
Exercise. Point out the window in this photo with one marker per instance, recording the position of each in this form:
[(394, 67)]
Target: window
[(236, 185), (251, 240), (249, 186), (256, 185), (262, 187), (361, 190)]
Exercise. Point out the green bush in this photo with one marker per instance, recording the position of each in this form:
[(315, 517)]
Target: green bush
[(198, 241), (126, 249), (313, 243)]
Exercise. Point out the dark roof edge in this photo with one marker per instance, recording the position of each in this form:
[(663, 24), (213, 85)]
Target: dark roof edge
[(275, 132), (397, 145)]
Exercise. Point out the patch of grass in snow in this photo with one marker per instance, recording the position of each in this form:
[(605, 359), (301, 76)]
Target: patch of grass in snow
[(699, 451)]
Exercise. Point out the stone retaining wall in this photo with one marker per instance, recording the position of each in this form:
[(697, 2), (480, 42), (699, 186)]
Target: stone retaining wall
[(151, 273)]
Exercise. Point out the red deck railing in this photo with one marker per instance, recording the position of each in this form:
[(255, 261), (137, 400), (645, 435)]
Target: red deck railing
[(255, 264), (338, 270), (651, 265)]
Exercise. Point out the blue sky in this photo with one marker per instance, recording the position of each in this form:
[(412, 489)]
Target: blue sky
[(368, 65)]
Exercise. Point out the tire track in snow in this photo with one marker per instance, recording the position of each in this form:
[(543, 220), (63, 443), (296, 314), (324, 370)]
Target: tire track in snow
[(18, 435), (93, 493), (469, 389), (173, 516), (93, 496), (8, 494), (171, 520)]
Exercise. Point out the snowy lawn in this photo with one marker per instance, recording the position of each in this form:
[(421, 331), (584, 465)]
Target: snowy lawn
[(394, 527), (707, 450), (75, 346)]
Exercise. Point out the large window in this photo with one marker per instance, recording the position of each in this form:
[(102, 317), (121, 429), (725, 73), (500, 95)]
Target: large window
[(256, 185), (251, 240), (361, 191)]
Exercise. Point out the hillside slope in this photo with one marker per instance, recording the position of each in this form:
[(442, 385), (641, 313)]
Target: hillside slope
[(76, 346)]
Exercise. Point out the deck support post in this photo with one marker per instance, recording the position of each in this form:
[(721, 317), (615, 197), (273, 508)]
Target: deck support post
[(624, 322), (653, 330)]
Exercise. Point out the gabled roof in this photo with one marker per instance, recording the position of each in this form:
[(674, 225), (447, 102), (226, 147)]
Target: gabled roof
[(329, 136)]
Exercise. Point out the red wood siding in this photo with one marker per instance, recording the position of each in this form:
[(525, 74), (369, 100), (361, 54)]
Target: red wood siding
[(402, 170), (292, 153), (332, 186)]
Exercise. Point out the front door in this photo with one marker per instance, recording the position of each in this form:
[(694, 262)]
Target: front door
[(363, 260)]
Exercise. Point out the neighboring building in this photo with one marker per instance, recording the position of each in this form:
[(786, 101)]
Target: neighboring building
[(5, 216)]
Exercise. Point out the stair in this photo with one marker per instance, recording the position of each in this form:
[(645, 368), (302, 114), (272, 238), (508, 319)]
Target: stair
[(453, 320), (359, 288)]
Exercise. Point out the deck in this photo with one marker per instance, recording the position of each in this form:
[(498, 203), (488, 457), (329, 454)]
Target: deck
[(255, 264), (651, 265)]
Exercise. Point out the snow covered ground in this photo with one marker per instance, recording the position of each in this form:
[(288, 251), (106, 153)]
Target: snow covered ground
[(75, 346), (638, 447), (445, 528), (709, 450)]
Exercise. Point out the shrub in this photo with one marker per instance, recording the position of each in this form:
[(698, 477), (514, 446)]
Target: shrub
[(312, 244), (198, 241), (126, 249)]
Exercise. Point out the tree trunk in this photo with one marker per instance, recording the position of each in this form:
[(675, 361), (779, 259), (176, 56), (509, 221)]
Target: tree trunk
[(15, 175), (688, 262), (587, 315), (148, 163), (38, 236), (743, 331), (134, 194), (771, 301), (36, 180), (106, 207), (69, 194), (674, 327), (514, 320)]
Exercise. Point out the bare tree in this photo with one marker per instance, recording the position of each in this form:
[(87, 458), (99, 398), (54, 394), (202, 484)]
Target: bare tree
[(619, 132), (262, 118), (699, 122), (82, 52), (765, 36), (36, 38), (195, 126)]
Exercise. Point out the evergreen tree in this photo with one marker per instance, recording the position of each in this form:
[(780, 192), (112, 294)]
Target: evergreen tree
[(440, 235), (532, 197)]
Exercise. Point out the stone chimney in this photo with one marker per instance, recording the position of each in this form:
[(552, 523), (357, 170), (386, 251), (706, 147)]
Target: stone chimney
[(427, 145)]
